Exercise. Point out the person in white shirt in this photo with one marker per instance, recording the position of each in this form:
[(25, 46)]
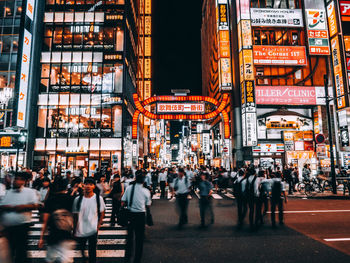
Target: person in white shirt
[(15, 210), (138, 199), (162, 179), (89, 211), (182, 186)]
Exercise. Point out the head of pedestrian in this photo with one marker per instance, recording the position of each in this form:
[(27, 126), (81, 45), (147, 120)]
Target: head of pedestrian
[(261, 173), (59, 185), (20, 180), (251, 171), (46, 182), (140, 178), (204, 176), (102, 179), (181, 172), (89, 186)]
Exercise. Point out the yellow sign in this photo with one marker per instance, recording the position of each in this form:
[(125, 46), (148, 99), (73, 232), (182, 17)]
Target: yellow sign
[(148, 25), (148, 48), (248, 64), (6, 141), (148, 7), (148, 68)]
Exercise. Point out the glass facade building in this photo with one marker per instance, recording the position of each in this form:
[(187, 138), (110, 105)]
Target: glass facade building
[(86, 76)]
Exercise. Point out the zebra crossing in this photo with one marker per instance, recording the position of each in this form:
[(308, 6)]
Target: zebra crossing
[(217, 196), (110, 245)]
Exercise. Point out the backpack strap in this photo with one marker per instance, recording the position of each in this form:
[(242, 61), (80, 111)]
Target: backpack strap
[(98, 202), (80, 199), (132, 196)]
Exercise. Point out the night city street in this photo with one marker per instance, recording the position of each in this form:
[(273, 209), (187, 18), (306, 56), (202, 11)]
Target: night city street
[(167, 131)]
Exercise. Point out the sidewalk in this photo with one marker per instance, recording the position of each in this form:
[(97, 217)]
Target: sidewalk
[(325, 195)]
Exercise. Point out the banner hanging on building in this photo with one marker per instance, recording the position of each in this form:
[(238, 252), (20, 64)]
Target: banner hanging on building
[(317, 32), (280, 55), (275, 17)]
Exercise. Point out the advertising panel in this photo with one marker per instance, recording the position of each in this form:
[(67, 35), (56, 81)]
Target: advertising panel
[(332, 19), (289, 95), (224, 43), (30, 9), (251, 129), (223, 16), (180, 107), (280, 55), (241, 67), (250, 96), (206, 143), (23, 86), (248, 64), (269, 148), (225, 73), (148, 70), (338, 73), (276, 17), (244, 130), (317, 32), (345, 10), (246, 34)]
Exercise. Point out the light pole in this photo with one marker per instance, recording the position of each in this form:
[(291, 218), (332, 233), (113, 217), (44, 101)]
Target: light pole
[(330, 136)]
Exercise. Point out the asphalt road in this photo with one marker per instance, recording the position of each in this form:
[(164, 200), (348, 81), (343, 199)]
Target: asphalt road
[(304, 238)]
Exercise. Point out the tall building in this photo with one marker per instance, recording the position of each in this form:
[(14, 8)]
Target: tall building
[(280, 52), (216, 32), (88, 73), (19, 52)]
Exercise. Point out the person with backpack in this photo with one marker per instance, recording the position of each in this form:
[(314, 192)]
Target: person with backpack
[(277, 195), (182, 186), (251, 193), (88, 211), (138, 200), (58, 220)]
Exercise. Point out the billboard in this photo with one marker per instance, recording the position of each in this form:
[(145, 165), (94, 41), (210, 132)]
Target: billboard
[(338, 73), (23, 86), (345, 10), (289, 95), (275, 17), (332, 19), (280, 55), (317, 32), (180, 107)]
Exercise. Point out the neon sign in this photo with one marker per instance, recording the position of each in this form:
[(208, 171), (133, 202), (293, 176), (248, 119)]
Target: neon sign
[(220, 109)]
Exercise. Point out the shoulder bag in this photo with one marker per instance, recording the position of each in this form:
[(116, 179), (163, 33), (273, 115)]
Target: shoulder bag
[(123, 215)]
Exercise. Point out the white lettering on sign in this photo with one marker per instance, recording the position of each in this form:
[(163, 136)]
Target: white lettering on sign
[(24, 77), (180, 107)]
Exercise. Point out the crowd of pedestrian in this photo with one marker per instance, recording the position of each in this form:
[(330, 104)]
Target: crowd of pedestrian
[(72, 206)]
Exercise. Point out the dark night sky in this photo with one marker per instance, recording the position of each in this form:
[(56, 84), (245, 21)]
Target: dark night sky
[(176, 46)]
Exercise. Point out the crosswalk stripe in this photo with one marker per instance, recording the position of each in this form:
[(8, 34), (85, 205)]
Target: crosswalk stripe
[(121, 241), (216, 196), (100, 233), (77, 254)]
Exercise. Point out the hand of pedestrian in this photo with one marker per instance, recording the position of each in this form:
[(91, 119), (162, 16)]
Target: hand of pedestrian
[(41, 243)]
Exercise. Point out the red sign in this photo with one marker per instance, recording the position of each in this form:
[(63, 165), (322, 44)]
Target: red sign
[(289, 95), (344, 8), (279, 55), (180, 107)]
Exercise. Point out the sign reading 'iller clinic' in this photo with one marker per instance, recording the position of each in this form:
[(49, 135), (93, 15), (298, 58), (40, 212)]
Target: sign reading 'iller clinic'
[(291, 95)]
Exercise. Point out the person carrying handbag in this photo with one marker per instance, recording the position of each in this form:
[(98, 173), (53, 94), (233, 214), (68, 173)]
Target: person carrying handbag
[(137, 199)]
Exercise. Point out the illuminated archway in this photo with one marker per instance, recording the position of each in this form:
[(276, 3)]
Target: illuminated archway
[(220, 109)]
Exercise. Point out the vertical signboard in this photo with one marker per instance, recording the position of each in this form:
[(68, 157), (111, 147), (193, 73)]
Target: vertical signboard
[(332, 19), (225, 69), (338, 73), (24, 75), (246, 67), (317, 32), (206, 142)]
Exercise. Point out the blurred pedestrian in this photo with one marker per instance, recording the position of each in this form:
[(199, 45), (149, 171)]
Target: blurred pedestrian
[(182, 186), (116, 195), (205, 192), (58, 221), (278, 194), (15, 210), (137, 198)]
